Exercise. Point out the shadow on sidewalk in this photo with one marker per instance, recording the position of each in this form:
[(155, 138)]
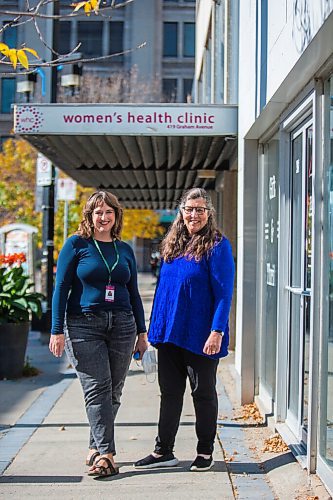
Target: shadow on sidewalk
[(250, 468), (40, 479), (184, 466), (85, 424)]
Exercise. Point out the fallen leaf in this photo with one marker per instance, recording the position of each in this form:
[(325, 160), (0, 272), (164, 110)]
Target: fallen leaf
[(275, 444)]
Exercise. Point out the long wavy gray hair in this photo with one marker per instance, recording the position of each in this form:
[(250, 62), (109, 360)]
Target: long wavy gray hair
[(178, 242), (86, 227)]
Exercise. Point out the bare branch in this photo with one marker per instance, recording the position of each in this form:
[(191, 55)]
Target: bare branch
[(64, 60), (33, 12), (51, 48)]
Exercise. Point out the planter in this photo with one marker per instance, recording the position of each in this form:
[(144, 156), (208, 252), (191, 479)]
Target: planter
[(13, 344)]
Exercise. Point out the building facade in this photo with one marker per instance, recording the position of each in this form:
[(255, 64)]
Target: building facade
[(161, 71), (216, 82), (284, 349)]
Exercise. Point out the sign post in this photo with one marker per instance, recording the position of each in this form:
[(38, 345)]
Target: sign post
[(66, 191)]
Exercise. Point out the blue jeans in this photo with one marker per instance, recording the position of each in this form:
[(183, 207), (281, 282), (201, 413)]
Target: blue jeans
[(99, 346)]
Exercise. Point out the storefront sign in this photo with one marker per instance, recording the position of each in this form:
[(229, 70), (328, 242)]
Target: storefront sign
[(125, 119)]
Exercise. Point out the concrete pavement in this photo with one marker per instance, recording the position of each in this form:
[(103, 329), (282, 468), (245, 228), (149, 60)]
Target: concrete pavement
[(44, 435)]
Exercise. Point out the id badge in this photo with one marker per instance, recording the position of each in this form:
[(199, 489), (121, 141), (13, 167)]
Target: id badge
[(109, 293)]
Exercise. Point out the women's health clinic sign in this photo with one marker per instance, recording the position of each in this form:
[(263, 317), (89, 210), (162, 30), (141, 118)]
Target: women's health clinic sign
[(125, 119)]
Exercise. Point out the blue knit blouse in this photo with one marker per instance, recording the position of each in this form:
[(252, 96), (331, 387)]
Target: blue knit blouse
[(192, 298), (82, 277)]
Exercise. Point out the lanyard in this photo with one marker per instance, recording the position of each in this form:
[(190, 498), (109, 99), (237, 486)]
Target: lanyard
[(104, 260)]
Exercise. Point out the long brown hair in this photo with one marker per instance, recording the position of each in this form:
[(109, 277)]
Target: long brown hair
[(86, 227), (178, 242)]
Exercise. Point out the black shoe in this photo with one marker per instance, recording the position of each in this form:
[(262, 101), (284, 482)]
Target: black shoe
[(151, 462), (202, 464)]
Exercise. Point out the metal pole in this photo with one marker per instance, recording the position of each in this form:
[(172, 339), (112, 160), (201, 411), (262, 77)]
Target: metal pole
[(47, 254), (66, 207), (48, 191)]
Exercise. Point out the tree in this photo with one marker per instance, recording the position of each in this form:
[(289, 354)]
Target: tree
[(121, 86), (141, 223), (17, 180), (17, 198), (37, 10)]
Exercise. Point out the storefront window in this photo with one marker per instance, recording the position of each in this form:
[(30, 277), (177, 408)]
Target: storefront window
[(270, 236)]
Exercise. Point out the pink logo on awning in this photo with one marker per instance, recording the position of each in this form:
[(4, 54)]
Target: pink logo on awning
[(28, 119)]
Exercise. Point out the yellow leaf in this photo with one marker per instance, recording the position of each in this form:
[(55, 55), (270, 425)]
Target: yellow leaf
[(77, 5), (94, 4), (13, 57), (87, 8), (32, 51), (4, 49), (22, 57)]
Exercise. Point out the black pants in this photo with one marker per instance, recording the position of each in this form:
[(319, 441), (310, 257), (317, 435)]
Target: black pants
[(174, 366)]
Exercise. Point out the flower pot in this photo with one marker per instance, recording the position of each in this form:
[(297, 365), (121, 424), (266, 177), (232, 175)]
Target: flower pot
[(13, 344)]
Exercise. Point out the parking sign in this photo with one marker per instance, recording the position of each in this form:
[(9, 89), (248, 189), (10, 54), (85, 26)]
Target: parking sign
[(43, 171)]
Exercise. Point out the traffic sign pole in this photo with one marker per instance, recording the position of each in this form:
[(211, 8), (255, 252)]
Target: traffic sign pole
[(48, 192), (65, 220), (47, 261)]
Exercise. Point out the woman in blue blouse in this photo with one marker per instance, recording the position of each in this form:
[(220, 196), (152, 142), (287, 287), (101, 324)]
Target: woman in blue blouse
[(96, 287), (189, 326)]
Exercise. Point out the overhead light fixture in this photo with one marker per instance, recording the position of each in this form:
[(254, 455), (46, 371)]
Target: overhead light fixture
[(71, 76), (26, 85), (206, 174)]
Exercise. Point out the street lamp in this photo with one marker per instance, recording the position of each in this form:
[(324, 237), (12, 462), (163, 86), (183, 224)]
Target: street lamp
[(26, 85), (71, 77)]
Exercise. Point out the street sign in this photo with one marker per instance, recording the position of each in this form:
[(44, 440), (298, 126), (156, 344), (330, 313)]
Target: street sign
[(66, 190), (43, 171)]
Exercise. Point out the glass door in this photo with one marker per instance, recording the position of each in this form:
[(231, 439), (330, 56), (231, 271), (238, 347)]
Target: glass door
[(299, 286)]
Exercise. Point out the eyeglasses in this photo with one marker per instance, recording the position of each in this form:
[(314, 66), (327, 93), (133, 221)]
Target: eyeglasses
[(199, 210)]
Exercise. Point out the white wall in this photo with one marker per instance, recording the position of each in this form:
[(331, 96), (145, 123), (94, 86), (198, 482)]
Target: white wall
[(289, 33), (246, 116), (203, 17)]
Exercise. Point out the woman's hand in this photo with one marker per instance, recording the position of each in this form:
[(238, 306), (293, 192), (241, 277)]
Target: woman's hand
[(213, 343), (57, 344), (141, 344)]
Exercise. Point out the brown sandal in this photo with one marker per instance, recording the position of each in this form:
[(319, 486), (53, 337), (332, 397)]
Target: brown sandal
[(92, 459), (102, 471)]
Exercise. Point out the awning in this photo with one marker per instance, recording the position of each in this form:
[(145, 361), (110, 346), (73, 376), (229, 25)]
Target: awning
[(145, 154)]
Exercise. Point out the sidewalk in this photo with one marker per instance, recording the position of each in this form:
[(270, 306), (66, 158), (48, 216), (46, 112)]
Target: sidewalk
[(44, 434)]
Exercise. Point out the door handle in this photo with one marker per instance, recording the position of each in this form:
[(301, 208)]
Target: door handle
[(298, 291)]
